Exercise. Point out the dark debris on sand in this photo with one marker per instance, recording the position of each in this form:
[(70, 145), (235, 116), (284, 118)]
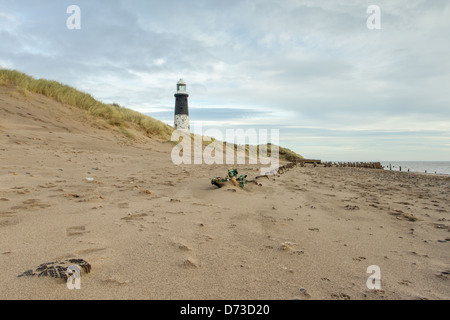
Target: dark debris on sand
[(57, 269)]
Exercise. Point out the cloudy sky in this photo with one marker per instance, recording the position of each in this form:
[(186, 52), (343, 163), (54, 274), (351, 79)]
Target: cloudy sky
[(335, 89)]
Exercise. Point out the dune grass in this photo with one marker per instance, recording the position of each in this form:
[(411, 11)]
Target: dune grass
[(119, 117), (114, 114), (284, 153)]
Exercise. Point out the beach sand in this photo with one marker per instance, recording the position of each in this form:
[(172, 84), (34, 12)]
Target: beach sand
[(154, 230)]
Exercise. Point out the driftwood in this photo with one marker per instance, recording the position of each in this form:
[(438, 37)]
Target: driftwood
[(57, 269)]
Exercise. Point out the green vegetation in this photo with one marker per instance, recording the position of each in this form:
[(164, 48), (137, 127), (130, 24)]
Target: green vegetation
[(119, 117), (114, 114), (284, 153)]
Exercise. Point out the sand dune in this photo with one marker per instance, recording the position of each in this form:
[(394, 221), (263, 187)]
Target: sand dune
[(151, 230)]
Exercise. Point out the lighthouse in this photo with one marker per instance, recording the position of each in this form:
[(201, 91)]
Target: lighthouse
[(181, 107)]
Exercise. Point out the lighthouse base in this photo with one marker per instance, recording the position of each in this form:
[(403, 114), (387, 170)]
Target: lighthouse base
[(182, 122)]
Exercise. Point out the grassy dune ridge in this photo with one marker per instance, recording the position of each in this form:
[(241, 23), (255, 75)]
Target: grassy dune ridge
[(114, 114)]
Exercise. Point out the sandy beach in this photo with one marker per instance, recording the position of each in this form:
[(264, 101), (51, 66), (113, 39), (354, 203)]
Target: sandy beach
[(154, 230)]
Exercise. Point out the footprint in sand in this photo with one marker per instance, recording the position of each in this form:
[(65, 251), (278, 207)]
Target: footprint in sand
[(419, 254), (405, 282), (76, 231), (116, 281), (88, 251), (71, 195), (359, 259), (22, 191), (286, 246), (136, 216), (33, 203), (191, 263), (440, 226), (289, 247), (184, 247), (8, 222), (444, 274), (340, 296), (7, 214), (400, 215), (181, 245)]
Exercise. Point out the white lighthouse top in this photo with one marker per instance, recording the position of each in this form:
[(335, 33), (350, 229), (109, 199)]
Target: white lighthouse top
[(181, 86)]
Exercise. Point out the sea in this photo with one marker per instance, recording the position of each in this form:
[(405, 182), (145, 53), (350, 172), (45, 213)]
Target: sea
[(434, 167)]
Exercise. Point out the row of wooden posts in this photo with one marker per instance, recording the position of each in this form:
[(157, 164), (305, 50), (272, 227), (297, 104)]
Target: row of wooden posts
[(366, 165)]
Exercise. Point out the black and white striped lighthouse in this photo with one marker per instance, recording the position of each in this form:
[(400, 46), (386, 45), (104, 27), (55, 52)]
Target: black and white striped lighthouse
[(181, 107)]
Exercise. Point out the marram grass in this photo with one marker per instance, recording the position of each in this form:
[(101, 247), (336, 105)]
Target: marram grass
[(114, 114)]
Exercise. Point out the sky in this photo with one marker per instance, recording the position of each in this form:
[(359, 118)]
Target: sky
[(335, 89)]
